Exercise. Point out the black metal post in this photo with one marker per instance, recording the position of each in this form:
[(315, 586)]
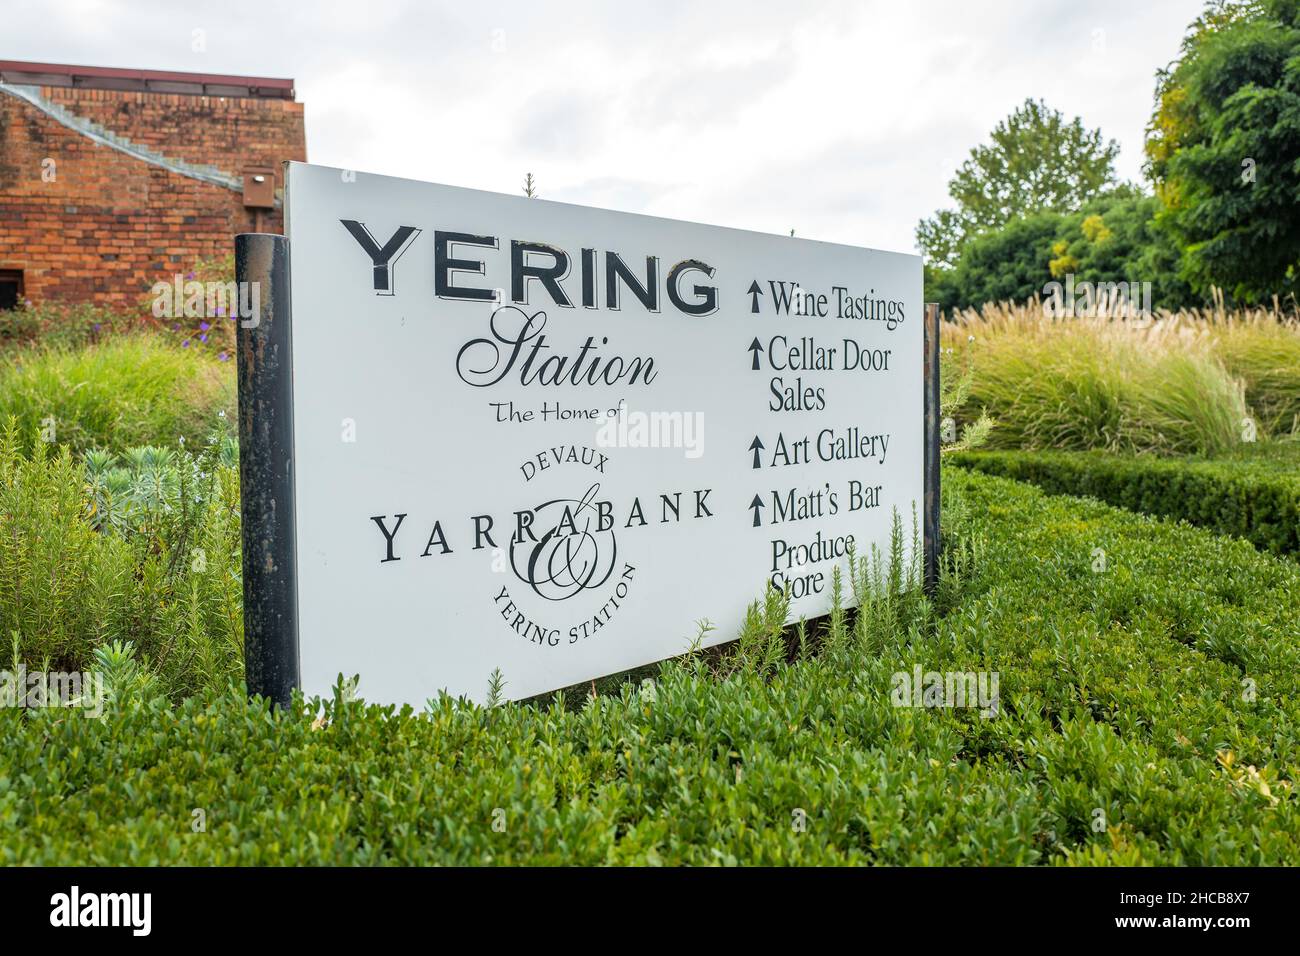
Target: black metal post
[(930, 530), (265, 348)]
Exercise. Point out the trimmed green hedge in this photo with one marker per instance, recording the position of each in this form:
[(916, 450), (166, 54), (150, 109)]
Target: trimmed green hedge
[(1254, 498), (1149, 713)]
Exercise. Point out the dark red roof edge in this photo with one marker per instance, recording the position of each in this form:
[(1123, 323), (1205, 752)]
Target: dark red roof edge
[(157, 81)]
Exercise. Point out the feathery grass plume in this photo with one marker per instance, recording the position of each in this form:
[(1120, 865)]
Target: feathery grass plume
[(1262, 349), (1176, 384)]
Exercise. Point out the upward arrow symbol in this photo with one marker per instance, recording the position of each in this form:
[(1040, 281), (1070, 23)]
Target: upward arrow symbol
[(757, 505), (756, 346), (754, 292), (756, 447)]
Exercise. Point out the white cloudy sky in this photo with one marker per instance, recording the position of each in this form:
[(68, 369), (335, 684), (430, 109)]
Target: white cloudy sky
[(841, 120)]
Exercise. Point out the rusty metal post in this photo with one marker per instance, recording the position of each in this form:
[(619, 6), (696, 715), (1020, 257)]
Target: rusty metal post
[(930, 521), (266, 479)]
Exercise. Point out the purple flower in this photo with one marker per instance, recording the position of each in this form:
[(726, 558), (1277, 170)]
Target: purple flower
[(97, 326), (190, 274), (203, 326), (221, 310), (203, 338), (185, 344), (223, 356)]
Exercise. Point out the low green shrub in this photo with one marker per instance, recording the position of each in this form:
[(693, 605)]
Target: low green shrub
[(1158, 638), (67, 324), (187, 320), (1148, 713), (127, 391), (1256, 498), (142, 548)]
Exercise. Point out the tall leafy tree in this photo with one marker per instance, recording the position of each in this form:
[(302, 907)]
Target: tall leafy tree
[(1112, 239), (1223, 148), (1036, 161), (1002, 265)]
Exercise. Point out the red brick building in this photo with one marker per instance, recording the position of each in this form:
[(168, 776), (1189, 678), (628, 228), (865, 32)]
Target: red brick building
[(112, 180)]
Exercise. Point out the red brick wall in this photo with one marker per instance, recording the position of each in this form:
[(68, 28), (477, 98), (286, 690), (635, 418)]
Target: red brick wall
[(108, 226), (228, 133)]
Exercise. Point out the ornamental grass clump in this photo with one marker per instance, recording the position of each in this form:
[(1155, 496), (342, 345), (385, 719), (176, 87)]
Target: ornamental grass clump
[(1080, 384), (117, 394), (1265, 355)]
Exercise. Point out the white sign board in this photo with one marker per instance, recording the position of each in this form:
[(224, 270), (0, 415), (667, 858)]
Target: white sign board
[(550, 439)]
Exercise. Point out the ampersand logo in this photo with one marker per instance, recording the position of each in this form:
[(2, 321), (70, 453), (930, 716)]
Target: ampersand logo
[(564, 550), (576, 553)]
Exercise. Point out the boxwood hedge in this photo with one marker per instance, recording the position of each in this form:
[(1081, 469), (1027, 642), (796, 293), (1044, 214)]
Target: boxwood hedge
[(1255, 498), (1148, 714)]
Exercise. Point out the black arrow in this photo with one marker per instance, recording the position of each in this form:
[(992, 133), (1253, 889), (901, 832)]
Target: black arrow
[(754, 292), (757, 505), (756, 447), (756, 346)]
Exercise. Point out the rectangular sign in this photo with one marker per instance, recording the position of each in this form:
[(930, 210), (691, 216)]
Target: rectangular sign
[(549, 439)]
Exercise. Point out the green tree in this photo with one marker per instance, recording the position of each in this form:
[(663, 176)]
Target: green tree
[(1003, 265), (1113, 239), (1037, 161), (1223, 148), (1116, 239)]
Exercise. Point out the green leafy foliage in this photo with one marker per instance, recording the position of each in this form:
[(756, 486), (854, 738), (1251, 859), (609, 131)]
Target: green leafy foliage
[(1005, 265), (143, 548), (187, 321), (65, 324), (1035, 161), (1114, 238), (1221, 153), (203, 317), (955, 384), (1124, 734), (1222, 148), (1254, 498)]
